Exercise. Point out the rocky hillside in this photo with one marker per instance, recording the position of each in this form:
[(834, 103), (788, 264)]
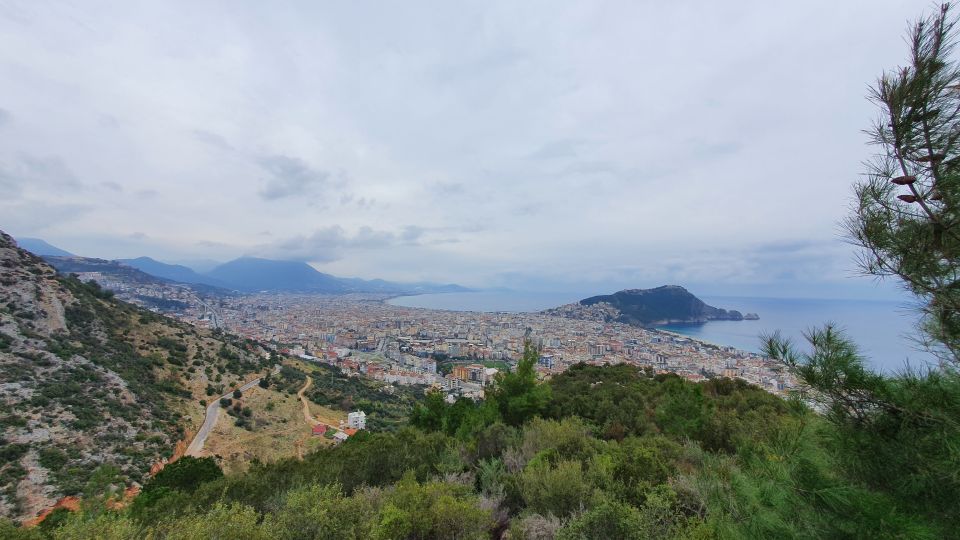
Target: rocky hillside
[(669, 304), (89, 381)]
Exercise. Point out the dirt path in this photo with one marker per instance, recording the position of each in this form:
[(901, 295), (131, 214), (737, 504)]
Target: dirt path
[(306, 404), (312, 419)]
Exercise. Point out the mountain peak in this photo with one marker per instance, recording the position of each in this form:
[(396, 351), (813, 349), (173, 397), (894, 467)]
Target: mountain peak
[(255, 273), (40, 247)]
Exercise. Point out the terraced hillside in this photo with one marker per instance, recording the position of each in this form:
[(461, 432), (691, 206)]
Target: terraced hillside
[(87, 381)]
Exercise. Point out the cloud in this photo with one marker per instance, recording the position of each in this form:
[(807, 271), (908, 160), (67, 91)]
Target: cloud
[(108, 121), (411, 233), (362, 203), (212, 139), (447, 189), (39, 172), (292, 177), (332, 243), (579, 142), (10, 188), (33, 217), (556, 149), (212, 244)]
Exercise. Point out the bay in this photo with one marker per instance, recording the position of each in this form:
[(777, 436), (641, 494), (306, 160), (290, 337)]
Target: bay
[(881, 329)]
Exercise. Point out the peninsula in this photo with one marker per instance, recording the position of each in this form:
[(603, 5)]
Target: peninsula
[(668, 304)]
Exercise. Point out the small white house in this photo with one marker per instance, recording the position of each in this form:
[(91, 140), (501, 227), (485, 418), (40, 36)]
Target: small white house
[(357, 420)]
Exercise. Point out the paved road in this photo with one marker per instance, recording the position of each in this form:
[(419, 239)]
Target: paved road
[(213, 413), (216, 319)]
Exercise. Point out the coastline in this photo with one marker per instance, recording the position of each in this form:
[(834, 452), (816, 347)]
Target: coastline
[(880, 328), (701, 341), (654, 329)]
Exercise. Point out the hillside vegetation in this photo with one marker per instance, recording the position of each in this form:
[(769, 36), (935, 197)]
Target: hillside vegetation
[(387, 406), (87, 381), (598, 452)]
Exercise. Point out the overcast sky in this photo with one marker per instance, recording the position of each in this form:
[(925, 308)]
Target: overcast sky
[(551, 145)]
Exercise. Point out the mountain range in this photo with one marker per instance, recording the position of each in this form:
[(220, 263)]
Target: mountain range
[(245, 274)]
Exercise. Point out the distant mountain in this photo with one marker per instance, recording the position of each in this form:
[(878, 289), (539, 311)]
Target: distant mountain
[(379, 285), (41, 248), (254, 274), (669, 304), (76, 265), (200, 266), (426, 287), (174, 272), (251, 274), (124, 273), (246, 274)]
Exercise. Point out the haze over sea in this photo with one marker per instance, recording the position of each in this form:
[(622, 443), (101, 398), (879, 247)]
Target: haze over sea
[(879, 327)]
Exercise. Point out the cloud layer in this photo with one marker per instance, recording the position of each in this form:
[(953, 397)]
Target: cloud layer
[(547, 144)]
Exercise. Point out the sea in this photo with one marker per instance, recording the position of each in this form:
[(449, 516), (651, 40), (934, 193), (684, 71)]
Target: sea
[(881, 329)]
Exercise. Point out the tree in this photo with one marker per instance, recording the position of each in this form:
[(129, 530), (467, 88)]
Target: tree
[(517, 395), (429, 413), (185, 474), (908, 208), (898, 435), (237, 394)]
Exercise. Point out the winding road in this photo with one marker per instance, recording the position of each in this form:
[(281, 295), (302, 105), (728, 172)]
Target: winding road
[(213, 413)]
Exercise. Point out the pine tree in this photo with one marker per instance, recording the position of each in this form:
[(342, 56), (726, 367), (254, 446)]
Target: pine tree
[(907, 216), (898, 435)]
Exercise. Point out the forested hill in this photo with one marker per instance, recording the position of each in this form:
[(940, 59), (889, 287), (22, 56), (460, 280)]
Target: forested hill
[(87, 381), (647, 307), (598, 452)]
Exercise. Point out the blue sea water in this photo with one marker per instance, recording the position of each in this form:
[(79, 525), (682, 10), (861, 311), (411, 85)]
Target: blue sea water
[(880, 328)]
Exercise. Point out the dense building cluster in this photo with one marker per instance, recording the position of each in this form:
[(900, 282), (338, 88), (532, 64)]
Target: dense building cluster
[(364, 334)]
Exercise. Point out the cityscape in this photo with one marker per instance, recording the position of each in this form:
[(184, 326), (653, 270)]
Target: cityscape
[(494, 270), (365, 335)]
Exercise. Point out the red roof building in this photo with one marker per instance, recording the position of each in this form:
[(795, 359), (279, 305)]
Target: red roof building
[(319, 429)]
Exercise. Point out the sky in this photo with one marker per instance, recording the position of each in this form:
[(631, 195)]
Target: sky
[(546, 145)]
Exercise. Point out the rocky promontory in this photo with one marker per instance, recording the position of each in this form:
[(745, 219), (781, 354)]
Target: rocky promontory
[(668, 304)]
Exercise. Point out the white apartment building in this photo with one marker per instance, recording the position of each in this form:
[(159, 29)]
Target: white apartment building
[(357, 420)]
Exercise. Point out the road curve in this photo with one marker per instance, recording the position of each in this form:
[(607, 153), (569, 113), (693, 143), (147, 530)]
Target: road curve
[(213, 413)]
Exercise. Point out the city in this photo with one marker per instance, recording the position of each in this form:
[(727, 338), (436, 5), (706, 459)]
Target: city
[(365, 335)]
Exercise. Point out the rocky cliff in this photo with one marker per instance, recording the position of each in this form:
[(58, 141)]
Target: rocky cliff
[(88, 381)]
